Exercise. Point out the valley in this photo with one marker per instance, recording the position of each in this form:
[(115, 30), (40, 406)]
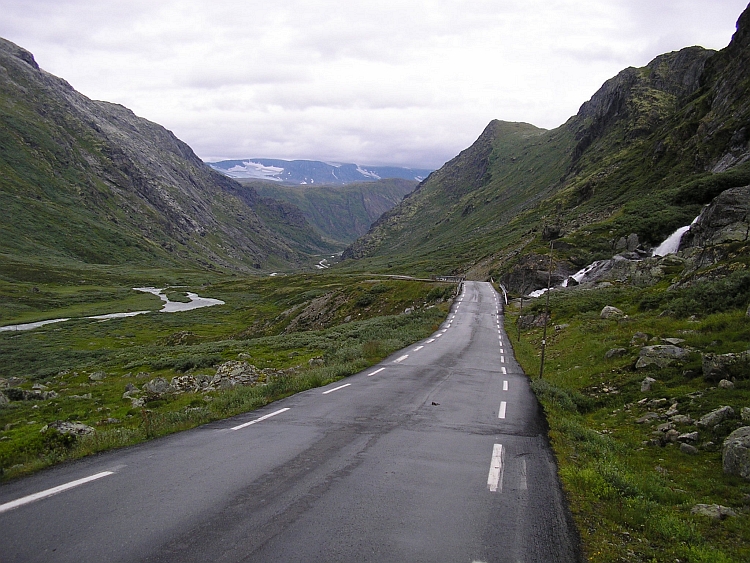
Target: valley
[(622, 239)]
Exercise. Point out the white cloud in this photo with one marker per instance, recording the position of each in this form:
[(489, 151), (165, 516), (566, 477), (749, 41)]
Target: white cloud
[(408, 82)]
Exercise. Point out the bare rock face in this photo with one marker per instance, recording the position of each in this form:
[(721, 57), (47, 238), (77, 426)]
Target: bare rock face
[(725, 220), (735, 453)]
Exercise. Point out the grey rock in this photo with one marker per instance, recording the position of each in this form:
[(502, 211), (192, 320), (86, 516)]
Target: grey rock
[(646, 384), (681, 419), (715, 511), (3, 399), (80, 397), (156, 386), (726, 384), (673, 410), (138, 403), (563, 326), (660, 355), (632, 242), (231, 374), (610, 312), (638, 339), (531, 321), (615, 353), (97, 376), (723, 366), (671, 435), (735, 453), (688, 449), (408, 310), (688, 437), (745, 414), (648, 417), (657, 403), (184, 384), (664, 427), (673, 341), (65, 427), (130, 387), (724, 220), (715, 417)]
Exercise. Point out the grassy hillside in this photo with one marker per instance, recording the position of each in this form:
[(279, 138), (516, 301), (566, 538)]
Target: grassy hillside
[(339, 213)]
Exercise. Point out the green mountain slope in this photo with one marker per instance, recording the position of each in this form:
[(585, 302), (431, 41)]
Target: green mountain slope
[(89, 181), (642, 156), (339, 213)]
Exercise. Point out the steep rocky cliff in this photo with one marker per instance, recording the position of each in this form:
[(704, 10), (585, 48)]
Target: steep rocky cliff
[(90, 181)]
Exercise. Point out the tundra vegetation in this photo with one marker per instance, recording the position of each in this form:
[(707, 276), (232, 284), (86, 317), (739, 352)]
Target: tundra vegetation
[(131, 379)]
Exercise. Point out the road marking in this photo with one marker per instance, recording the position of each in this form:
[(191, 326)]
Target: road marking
[(401, 359), (262, 418), (503, 406), (375, 372), (431, 340), (505, 384), (495, 478), (502, 351), (418, 348), (444, 330), (503, 370), (502, 359), (524, 484), (336, 388), (53, 491), (438, 335)]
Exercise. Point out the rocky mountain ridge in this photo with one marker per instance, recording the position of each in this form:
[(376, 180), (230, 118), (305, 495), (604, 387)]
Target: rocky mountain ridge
[(90, 181)]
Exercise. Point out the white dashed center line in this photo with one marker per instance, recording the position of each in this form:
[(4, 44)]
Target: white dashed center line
[(430, 341), (505, 385), (438, 335), (262, 418), (503, 406), (375, 372), (495, 477), (53, 491), (418, 348), (336, 388), (400, 359), (503, 371), (502, 359)]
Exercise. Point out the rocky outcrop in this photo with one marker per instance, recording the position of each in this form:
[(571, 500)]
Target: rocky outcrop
[(722, 366), (66, 427), (660, 355), (726, 219), (713, 511), (735, 453)]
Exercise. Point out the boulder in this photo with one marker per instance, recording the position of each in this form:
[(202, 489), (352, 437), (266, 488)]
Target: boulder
[(660, 355), (715, 511), (233, 373), (726, 384), (648, 417), (724, 220), (745, 414), (735, 453), (639, 338), (65, 427), (688, 437), (156, 386), (615, 353), (3, 399), (610, 312), (688, 449), (715, 417), (724, 366), (184, 384), (646, 384), (97, 376)]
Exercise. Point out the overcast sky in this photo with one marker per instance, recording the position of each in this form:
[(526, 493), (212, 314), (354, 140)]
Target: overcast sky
[(403, 82)]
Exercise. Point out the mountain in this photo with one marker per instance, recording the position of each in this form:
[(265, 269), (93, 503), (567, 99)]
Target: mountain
[(640, 158), (305, 172), (339, 213), (89, 181)]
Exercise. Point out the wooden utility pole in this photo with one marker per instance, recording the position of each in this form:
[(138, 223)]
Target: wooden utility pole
[(546, 312)]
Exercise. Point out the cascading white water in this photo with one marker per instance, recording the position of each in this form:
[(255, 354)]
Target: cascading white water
[(672, 244)]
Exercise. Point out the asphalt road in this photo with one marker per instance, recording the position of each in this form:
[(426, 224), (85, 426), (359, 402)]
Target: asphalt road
[(437, 454)]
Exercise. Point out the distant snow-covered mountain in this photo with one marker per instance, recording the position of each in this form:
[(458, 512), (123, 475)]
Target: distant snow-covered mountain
[(312, 171)]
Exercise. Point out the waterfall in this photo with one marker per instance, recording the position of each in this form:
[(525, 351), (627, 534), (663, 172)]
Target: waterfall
[(672, 244)]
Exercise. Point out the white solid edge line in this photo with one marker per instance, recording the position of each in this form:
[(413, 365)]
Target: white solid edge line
[(503, 407), (262, 418), (494, 479), (401, 359), (375, 372), (336, 388), (53, 491), (505, 385)]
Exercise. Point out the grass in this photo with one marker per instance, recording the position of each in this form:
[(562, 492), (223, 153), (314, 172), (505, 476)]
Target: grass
[(301, 331), (632, 499)]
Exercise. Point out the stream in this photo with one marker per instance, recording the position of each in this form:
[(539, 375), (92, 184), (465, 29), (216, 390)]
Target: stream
[(196, 302)]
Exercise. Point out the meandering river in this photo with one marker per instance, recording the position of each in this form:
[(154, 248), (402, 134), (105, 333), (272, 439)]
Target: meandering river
[(196, 302)]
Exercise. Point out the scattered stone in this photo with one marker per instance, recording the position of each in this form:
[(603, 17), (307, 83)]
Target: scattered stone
[(715, 417), (408, 310), (39, 387), (723, 366), (109, 420), (138, 403), (688, 437), (65, 427), (563, 326), (244, 356), (660, 355), (648, 417), (231, 374), (316, 361), (184, 384), (615, 353), (715, 511), (688, 449), (726, 384), (16, 394), (657, 403), (3, 399), (80, 397), (610, 312), (672, 410), (97, 376), (681, 419), (130, 387), (638, 339), (664, 427), (156, 386), (646, 384), (745, 414), (673, 341), (347, 318), (735, 453), (142, 375)]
